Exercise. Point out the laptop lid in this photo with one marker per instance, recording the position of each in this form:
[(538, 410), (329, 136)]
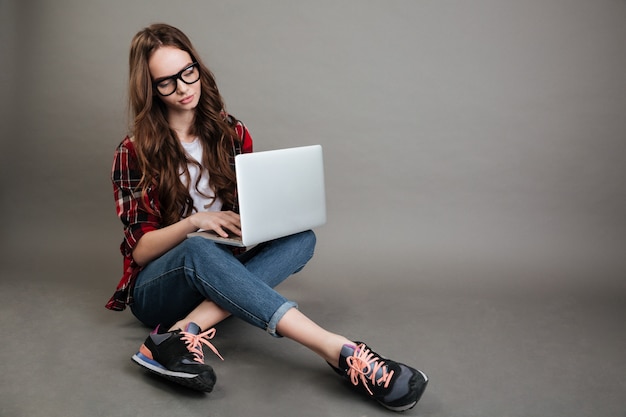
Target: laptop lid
[(280, 192)]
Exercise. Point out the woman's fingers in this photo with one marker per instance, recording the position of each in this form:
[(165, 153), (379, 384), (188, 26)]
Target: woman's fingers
[(221, 222)]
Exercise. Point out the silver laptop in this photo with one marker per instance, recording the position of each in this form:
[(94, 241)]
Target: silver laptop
[(280, 192)]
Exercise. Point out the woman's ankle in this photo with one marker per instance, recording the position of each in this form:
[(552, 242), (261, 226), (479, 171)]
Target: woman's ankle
[(334, 349)]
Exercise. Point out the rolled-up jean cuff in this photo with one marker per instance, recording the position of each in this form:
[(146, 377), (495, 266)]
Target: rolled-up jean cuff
[(271, 326)]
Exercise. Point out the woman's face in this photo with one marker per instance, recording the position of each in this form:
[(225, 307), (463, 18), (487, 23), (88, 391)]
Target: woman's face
[(169, 61)]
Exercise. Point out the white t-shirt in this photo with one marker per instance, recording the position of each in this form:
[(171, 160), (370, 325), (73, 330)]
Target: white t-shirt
[(200, 202)]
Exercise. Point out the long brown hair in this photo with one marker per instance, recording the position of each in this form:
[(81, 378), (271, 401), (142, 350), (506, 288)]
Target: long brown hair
[(161, 156)]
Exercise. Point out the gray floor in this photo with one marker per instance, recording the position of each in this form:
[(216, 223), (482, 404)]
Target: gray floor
[(481, 142), (496, 338)]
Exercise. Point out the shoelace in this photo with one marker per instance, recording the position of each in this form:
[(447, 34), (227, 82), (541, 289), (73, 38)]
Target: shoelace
[(363, 365), (194, 343)]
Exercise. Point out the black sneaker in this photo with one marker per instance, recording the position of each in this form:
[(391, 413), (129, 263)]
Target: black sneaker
[(178, 356), (394, 385)]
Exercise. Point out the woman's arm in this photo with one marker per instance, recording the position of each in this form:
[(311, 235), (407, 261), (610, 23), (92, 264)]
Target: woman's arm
[(157, 242)]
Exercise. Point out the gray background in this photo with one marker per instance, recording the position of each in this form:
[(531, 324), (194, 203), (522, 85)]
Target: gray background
[(475, 155)]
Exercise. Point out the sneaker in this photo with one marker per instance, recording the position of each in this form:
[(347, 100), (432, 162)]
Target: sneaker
[(394, 385), (178, 356)]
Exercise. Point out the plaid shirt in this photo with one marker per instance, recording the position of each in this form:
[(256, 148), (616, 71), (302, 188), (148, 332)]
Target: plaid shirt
[(126, 176)]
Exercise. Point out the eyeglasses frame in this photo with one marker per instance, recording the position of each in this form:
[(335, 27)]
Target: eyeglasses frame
[(175, 78)]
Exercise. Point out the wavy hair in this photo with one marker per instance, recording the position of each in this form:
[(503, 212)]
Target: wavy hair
[(160, 154)]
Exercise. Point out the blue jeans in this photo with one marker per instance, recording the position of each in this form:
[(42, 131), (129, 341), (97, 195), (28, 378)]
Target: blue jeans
[(198, 269)]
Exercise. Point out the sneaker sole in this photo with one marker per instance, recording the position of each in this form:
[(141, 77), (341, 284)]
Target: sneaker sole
[(204, 381), (414, 383)]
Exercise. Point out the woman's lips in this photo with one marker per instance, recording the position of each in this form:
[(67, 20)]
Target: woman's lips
[(187, 100)]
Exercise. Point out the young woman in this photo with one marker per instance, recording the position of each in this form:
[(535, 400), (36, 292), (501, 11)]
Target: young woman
[(175, 175)]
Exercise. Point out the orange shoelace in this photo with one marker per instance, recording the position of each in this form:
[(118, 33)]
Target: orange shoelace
[(194, 343), (363, 366)]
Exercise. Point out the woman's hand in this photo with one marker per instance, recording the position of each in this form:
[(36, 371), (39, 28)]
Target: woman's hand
[(221, 222)]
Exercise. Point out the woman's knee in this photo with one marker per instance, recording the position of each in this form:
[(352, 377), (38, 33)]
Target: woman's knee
[(307, 239), (302, 245), (305, 248)]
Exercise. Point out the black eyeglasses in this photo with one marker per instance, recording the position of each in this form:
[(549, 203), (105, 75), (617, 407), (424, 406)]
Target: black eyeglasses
[(167, 85)]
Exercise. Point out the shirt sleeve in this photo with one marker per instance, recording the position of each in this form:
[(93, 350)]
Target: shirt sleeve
[(244, 136), (130, 202)]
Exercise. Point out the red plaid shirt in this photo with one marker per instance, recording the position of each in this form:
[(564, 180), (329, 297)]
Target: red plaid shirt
[(126, 176)]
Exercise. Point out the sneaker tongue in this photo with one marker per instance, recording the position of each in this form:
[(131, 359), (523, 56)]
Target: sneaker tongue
[(346, 350), (192, 328), (349, 350)]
